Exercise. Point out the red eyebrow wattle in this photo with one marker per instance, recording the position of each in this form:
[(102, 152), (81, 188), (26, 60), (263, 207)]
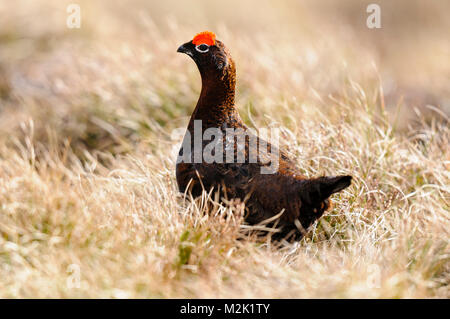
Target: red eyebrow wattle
[(205, 37)]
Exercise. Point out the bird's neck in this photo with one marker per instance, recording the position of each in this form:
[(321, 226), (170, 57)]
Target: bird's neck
[(215, 106)]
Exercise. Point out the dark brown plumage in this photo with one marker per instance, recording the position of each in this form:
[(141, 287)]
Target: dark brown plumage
[(303, 200)]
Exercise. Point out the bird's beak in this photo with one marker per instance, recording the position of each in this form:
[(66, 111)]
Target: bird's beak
[(185, 48), (182, 48)]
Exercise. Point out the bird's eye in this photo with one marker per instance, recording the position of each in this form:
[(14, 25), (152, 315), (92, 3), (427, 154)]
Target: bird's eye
[(202, 48)]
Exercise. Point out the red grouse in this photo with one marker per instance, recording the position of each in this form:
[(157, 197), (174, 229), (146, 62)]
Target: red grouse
[(241, 175)]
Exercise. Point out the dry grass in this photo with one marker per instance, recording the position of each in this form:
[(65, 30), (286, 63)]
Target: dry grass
[(88, 142)]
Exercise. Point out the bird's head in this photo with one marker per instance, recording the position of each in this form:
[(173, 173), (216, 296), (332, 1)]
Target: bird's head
[(210, 55)]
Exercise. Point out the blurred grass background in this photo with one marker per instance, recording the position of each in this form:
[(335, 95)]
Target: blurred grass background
[(87, 120)]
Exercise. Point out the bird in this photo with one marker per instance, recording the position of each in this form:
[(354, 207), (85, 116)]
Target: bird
[(291, 201)]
